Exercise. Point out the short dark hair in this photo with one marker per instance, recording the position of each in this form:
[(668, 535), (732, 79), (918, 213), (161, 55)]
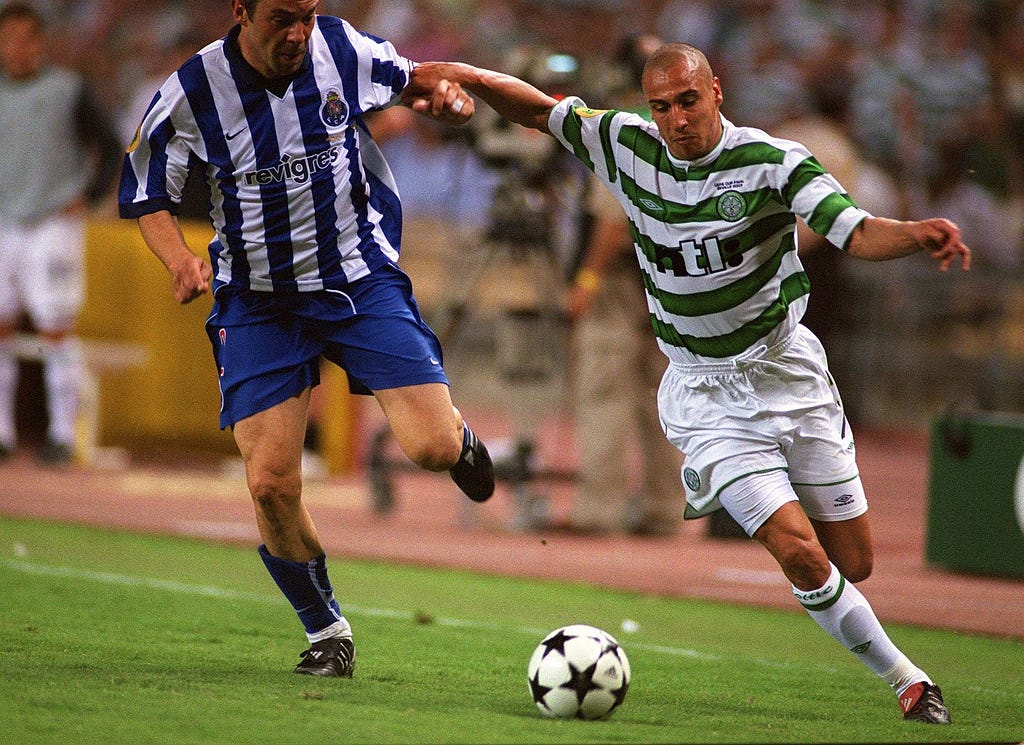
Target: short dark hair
[(20, 10)]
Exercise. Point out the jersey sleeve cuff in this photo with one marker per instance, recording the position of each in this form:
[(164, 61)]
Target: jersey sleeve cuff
[(148, 207)]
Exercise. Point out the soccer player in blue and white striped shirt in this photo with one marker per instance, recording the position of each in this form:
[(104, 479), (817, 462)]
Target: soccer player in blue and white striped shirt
[(303, 263), (747, 394)]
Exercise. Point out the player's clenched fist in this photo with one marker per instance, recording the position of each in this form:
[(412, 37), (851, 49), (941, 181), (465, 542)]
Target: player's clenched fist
[(942, 240), (190, 278), (430, 92)]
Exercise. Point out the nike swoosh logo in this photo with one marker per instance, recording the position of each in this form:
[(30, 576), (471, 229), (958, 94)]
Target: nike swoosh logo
[(234, 135)]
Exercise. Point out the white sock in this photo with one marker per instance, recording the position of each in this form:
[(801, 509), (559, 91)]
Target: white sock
[(8, 390), (62, 373), (840, 609), (339, 628)]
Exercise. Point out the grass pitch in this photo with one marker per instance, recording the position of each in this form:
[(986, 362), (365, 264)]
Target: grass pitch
[(109, 638)]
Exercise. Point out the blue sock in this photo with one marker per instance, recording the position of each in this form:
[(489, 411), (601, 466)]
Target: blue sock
[(308, 589)]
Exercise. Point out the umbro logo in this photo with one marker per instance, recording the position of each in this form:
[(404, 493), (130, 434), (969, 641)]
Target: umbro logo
[(650, 204), (843, 500)]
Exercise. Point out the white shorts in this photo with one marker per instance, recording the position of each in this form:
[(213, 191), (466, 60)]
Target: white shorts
[(43, 269), (770, 410)]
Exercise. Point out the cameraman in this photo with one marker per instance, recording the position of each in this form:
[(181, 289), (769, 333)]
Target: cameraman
[(618, 365)]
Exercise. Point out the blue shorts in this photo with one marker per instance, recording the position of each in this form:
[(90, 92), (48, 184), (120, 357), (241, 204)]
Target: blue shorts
[(267, 346)]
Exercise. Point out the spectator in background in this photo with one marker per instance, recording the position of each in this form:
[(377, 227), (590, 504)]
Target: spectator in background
[(58, 155), (763, 73), (697, 22), (882, 115), (953, 189), (1008, 62), (951, 79), (617, 365)]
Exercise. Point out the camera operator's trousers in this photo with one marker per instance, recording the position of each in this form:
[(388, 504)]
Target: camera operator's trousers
[(618, 367)]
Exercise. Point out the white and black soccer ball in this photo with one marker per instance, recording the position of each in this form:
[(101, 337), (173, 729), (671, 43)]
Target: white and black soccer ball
[(578, 671)]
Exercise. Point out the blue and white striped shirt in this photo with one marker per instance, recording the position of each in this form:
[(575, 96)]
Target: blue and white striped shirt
[(302, 199)]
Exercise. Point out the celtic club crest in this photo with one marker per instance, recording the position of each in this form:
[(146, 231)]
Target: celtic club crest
[(732, 206)]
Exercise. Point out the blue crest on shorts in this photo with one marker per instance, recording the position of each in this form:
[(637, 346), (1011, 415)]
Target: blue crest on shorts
[(691, 478), (334, 111)]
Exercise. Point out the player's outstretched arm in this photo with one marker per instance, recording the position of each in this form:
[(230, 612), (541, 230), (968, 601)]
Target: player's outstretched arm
[(879, 238), (190, 275), (514, 99)]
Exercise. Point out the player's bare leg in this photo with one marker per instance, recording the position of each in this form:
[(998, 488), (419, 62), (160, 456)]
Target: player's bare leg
[(425, 423), (790, 538), (849, 545), (842, 611), (432, 433), (271, 446)]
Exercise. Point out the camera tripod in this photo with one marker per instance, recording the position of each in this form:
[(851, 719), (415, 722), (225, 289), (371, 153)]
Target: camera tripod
[(528, 333)]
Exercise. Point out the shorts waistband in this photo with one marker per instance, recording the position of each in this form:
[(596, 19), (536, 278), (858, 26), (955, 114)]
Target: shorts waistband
[(760, 354)]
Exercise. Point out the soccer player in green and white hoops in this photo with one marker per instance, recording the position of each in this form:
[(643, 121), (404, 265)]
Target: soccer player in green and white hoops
[(747, 395)]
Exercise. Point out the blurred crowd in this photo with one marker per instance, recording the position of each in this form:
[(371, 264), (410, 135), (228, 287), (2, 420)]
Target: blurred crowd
[(917, 106), (927, 94)]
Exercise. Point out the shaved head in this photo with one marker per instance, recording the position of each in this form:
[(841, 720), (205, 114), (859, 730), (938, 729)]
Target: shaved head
[(684, 96), (669, 55)]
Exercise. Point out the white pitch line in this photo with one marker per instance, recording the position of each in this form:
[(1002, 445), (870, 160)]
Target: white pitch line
[(211, 591), (756, 577), (184, 588)]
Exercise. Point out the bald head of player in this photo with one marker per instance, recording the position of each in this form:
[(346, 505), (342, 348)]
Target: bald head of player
[(685, 97), (275, 33)]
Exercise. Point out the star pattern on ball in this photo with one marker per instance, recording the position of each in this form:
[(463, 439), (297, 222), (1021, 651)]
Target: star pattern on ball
[(579, 672), (557, 642), (539, 691), (581, 681)]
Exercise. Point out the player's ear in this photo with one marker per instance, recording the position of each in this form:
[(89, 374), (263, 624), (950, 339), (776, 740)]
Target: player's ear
[(239, 11)]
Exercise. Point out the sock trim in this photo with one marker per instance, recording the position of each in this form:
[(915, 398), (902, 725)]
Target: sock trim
[(824, 597)]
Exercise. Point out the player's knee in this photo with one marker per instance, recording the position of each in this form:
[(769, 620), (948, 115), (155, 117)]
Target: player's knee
[(274, 492), (803, 562), (857, 568), (434, 455)]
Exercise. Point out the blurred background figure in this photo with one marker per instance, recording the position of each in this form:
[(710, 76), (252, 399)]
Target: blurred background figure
[(59, 155), (888, 82), (616, 365)]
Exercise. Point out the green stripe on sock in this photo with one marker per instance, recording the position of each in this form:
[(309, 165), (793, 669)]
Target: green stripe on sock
[(826, 604)]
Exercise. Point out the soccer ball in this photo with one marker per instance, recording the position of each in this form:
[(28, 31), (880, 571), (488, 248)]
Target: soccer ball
[(578, 672)]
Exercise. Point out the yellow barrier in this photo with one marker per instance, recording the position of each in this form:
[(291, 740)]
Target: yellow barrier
[(172, 399)]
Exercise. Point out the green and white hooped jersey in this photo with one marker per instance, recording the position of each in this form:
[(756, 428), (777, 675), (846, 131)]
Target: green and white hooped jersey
[(715, 237)]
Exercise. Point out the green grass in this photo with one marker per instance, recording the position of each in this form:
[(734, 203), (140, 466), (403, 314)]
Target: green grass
[(108, 638)]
